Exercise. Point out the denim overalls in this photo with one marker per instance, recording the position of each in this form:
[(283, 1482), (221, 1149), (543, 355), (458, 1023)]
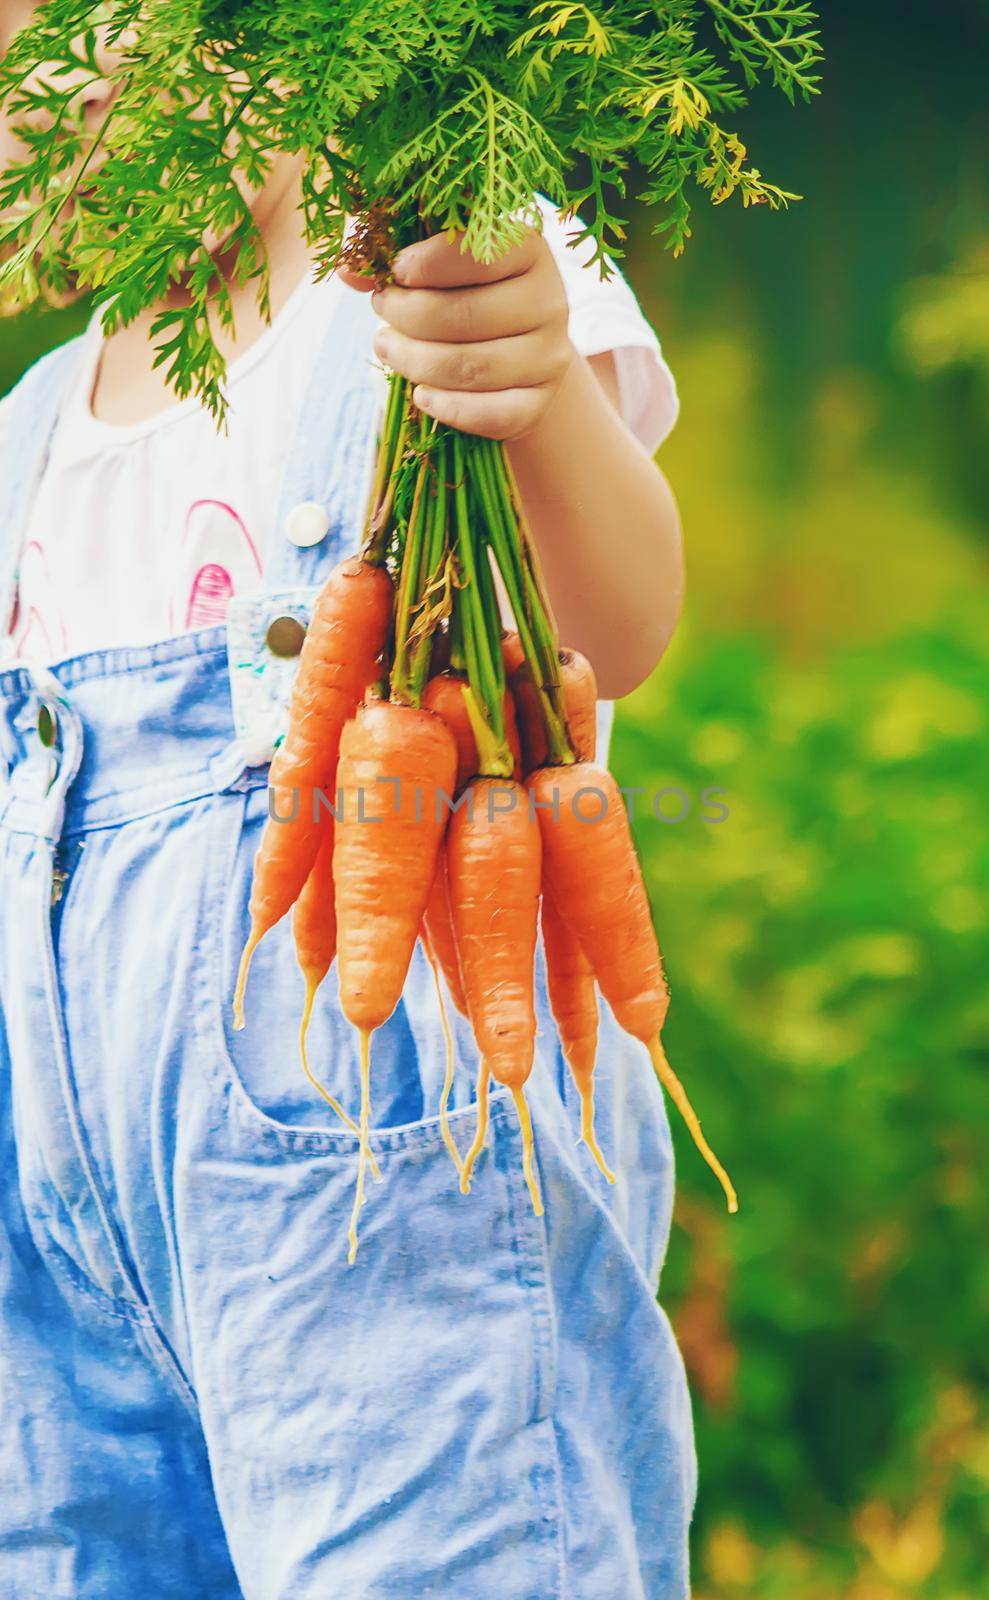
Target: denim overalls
[(199, 1399)]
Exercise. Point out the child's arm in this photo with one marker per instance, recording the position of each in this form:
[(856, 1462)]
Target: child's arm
[(607, 527), (489, 351)]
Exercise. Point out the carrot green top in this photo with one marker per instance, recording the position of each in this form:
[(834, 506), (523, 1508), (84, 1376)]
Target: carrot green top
[(459, 111)]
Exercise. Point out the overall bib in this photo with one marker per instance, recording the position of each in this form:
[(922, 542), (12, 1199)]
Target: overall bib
[(199, 1399)]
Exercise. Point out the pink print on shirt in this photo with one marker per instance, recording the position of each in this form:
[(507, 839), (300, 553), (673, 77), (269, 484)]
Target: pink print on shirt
[(31, 638), (39, 634), (212, 591), (217, 558)]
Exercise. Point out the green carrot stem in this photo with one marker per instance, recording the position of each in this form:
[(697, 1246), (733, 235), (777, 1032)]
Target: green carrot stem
[(485, 577), (500, 519), (482, 649), (530, 556), (458, 661), (488, 672), (490, 755), (535, 582), (435, 554), (410, 577), (506, 509), (383, 461), (536, 633), (391, 449), (394, 411)]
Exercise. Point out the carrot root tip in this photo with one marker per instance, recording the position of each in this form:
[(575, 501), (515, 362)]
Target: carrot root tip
[(254, 939), (528, 1150), (588, 1134), (364, 1150), (483, 1086), (448, 1139), (678, 1094), (320, 1088)]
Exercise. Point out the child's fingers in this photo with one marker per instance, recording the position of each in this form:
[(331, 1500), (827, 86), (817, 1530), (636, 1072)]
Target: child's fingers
[(442, 263), (466, 316), (521, 362), (355, 280), (506, 414)]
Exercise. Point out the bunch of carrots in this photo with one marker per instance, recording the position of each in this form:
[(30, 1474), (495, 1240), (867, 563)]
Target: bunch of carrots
[(471, 748)]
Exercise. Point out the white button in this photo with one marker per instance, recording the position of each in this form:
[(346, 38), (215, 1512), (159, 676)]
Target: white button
[(307, 524)]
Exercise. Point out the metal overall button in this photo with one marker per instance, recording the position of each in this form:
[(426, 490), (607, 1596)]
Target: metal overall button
[(48, 725), (48, 737), (284, 636)]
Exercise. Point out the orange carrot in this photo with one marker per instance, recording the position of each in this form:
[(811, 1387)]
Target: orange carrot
[(444, 694), (493, 864), (338, 660), (395, 760), (580, 703), (440, 945), (512, 653), (581, 813), (395, 763), (448, 1139), (512, 734), (314, 923), (582, 819), (573, 998), (438, 935)]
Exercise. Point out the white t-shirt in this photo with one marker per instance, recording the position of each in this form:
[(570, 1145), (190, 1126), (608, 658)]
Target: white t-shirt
[(142, 531)]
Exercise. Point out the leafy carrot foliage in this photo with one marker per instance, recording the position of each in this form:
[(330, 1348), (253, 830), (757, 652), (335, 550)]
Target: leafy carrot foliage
[(457, 111)]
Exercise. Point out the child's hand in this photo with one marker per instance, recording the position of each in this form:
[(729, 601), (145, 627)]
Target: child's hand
[(485, 346)]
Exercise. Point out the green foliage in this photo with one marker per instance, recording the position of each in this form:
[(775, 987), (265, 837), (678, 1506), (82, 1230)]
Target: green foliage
[(456, 111), (827, 949), (945, 322)]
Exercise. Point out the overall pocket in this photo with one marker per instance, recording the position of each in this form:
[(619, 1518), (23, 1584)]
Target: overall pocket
[(263, 1060), (272, 1155)]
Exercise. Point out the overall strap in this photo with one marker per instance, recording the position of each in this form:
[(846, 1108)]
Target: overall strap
[(329, 465), (30, 413)]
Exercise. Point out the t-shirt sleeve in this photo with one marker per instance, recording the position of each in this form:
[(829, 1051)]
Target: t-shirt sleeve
[(605, 316)]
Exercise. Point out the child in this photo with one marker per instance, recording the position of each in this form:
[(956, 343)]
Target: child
[(198, 1398)]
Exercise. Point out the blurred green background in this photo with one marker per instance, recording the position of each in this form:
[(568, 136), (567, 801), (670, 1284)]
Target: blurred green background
[(827, 943)]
